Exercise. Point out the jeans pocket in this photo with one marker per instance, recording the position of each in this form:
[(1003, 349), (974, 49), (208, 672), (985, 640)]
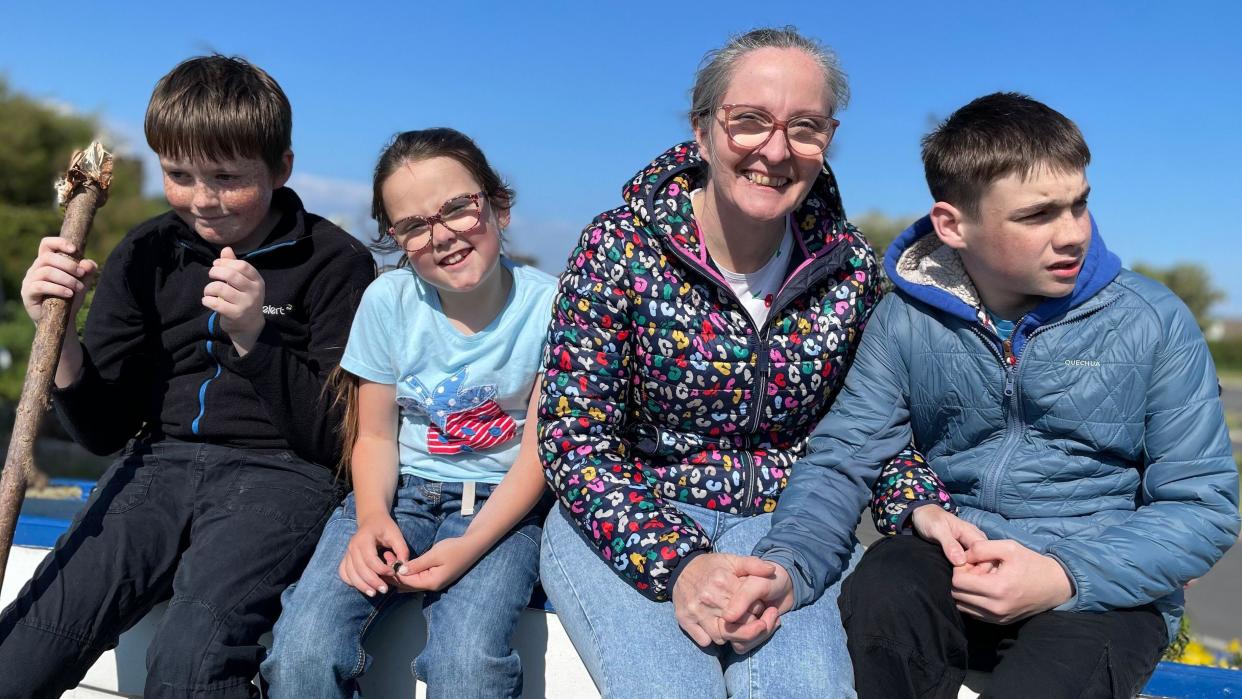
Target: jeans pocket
[(130, 482), (283, 492)]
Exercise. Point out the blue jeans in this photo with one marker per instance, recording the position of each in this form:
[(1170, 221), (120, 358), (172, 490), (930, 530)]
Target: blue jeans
[(634, 647), (317, 643)]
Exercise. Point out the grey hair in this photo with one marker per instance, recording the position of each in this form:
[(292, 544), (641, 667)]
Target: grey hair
[(718, 65)]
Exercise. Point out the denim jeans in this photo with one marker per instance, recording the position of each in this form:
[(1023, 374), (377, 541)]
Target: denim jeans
[(633, 647), (317, 644), (217, 531)]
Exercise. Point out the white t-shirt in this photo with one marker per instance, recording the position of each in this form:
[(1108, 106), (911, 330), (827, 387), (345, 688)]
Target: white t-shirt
[(757, 289), (462, 398)]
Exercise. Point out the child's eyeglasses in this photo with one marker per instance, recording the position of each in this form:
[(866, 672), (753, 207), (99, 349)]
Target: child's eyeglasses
[(461, 214)]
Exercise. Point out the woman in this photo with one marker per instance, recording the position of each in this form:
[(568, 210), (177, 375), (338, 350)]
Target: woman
[(700, 332)]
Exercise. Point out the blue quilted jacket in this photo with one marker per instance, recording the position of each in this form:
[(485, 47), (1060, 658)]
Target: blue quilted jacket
[(1097, 437)]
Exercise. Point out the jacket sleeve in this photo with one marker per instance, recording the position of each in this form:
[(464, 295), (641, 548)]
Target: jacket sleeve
[(587, 460), (1187, 515), (290, 382), (104, 408), (812, 533), (903, 485)]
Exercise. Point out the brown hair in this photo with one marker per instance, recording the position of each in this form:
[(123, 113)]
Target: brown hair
[(213, 108), (995, 136), (343, 387), (440, 142)]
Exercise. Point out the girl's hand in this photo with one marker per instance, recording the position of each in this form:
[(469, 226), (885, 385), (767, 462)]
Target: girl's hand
[(373, 549), (55, 274), (236, 293), (441, 566)]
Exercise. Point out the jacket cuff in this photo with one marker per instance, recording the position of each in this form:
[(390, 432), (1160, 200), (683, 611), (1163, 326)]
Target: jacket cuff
[(803, 592), (681, 565), (904, 525), (256, 361), (1070, 604)]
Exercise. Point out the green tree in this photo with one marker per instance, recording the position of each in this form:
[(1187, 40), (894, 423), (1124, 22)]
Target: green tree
[(1191, 282), (35, 146), (881, 229)]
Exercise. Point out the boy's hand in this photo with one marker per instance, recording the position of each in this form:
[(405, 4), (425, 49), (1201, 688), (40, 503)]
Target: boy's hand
[(441, 566), (1003, 581), (237, 295), (705, 589), (954, 534), (754, 612), (55, 274), (368, 564)]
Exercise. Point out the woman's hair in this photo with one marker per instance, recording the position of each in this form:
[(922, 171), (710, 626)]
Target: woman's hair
[(718, 66), (440, 142)]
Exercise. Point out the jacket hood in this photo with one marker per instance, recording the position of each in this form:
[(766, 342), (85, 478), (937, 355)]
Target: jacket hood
[(923, 267), (659, 198), (288, 229)]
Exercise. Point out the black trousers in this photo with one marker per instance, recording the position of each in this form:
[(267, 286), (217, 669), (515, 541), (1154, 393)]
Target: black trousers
[(218, 532), (907, 639)]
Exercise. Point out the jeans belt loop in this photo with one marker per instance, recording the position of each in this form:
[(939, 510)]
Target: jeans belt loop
[(467, 498)]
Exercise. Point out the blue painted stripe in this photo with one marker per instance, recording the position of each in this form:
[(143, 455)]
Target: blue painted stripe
[(1193, 682)]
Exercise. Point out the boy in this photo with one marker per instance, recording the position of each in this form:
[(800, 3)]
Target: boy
[(206, 350), (1070, 407)]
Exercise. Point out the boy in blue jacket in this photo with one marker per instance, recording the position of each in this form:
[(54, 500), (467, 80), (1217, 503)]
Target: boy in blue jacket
[(1070, 407)]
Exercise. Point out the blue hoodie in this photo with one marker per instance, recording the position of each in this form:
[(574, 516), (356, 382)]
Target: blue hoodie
[(1101, 444)]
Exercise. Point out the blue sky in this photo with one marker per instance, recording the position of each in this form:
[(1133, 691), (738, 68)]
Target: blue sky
[(570, 99)]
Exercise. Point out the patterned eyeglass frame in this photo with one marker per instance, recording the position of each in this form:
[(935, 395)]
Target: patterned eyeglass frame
[(438, 217)]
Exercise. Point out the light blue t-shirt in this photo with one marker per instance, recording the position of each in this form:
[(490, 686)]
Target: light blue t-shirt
[(463, 398), (1004, 328)]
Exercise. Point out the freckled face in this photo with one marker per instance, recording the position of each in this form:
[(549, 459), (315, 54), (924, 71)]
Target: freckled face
[(454, 262), (769, 182), (224, 202)]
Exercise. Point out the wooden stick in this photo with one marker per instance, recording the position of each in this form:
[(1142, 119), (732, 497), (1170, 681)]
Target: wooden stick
[(83, 190)]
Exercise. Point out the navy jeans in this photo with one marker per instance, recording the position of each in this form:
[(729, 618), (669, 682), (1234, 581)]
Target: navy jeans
[(317, 646), (219, 532)]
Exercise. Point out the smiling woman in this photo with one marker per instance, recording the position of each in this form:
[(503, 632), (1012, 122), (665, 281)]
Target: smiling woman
[(700, 332)]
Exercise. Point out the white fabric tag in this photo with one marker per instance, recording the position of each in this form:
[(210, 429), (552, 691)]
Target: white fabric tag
[(467, 498)]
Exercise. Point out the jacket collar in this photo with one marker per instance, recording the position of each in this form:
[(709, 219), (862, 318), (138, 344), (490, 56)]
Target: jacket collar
[(923, 267)]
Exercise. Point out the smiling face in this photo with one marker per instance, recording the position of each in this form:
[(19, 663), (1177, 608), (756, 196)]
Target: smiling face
[(767, 183), (224, 202), (453, 262), (1027, 242)]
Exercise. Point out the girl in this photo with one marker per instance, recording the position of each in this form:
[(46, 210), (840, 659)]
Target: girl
[(443, 358)]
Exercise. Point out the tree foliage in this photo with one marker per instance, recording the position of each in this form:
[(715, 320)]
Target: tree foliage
[(881, 230), (1191, 282), (35, 146)]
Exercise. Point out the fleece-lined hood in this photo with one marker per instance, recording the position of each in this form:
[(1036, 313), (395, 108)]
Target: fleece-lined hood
[(930, 271)]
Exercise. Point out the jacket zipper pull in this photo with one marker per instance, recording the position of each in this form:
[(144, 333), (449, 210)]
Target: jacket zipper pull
[(1010, 362)]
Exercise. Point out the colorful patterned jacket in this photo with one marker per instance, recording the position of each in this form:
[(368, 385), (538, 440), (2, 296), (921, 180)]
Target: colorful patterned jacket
[(659, 387)]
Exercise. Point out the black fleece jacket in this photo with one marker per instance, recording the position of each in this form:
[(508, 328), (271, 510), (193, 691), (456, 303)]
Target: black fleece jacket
[(158, 364)]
